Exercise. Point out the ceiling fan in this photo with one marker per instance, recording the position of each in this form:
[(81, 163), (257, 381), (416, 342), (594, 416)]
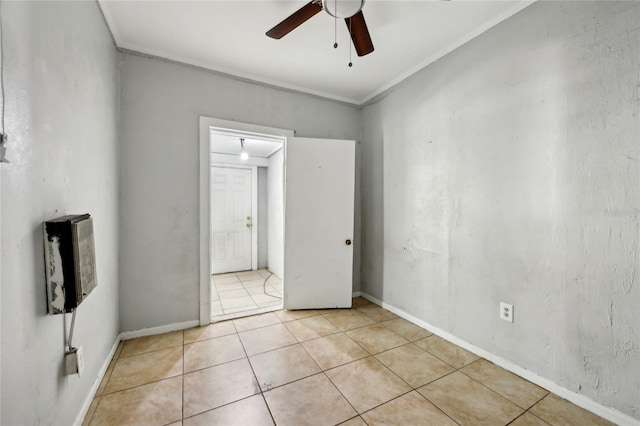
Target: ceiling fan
[(349, 10)]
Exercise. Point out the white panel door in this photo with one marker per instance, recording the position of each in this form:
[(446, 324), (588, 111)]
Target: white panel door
[(319, 196), (230, 219)]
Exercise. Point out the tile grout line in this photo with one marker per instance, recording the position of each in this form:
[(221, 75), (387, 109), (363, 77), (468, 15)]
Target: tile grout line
[(525, 412), (455, 370), (322, 371), (120, 357), (352, 418), (183, 362), (94, 411), (353, 361), (183, 377), (243, 286), (458, 369), (215, 288), (227, 362), (219, 406), (115, 362), (412, 389), (249, 311), (258, 353), (214, 365), (433, 402), (222, 307), (248, 359), (151, 351), (262, 392), (116, 357), (407, 393), (243, 314), (436, 356), (322, 313), (528, 410), (255, 376), (538, 417), (340, 392), (141, 385), (315, 374), (496, 392)]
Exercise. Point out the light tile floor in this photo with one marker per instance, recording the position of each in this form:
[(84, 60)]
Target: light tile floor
[(244, 293), (359, 366)]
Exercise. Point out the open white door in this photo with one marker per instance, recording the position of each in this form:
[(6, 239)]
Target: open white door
[(319, 194)]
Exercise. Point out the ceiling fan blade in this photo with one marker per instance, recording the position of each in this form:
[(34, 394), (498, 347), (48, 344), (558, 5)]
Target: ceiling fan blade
[(296, 19), (359, 34)]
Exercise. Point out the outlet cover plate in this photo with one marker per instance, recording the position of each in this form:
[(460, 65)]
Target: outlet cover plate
[(74, 361), (506, 312)]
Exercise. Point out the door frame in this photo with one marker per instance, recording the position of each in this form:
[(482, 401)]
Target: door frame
[(206, 124), (254, 208)]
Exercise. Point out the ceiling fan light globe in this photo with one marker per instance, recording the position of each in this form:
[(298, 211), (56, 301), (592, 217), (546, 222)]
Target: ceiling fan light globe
[(342, 8), (244, 156)]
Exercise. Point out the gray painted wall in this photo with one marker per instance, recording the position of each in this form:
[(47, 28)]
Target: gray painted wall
[(62, 83), (511, 173), (161, 104)]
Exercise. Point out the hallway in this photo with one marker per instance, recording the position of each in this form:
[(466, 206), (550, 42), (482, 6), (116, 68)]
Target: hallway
[(245, 293)]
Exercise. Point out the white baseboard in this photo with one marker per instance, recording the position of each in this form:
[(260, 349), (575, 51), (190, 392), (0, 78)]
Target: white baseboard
[(96, 383), (127, 335), (608, 413), (356, 294)]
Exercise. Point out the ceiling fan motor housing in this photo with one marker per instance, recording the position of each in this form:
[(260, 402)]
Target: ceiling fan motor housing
[(342, 8), (349, 10)]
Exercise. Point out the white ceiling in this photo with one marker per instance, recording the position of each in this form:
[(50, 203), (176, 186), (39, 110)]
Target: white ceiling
[(229, 36), (227, 144)]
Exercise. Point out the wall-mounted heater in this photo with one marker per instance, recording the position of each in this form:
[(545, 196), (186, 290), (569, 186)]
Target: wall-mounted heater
[(70, 263)]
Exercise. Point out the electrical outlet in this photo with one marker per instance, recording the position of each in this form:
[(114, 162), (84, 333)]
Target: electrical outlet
[(74, 361), (506, 311), (3, 148)]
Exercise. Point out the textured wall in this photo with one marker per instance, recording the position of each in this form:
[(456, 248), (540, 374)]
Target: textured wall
[(161, 103), (511, 173), (61, 76)]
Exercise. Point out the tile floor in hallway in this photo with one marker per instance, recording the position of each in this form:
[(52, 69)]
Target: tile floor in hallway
[(359, 366), (243, 293)]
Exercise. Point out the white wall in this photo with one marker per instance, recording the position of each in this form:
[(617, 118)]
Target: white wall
[(161, 106), (61, 76), (275, 192), (511, 173), (263, 211)]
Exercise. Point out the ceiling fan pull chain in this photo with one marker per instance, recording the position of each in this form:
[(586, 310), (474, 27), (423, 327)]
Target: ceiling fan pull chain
[(335, 28), (350, 63)]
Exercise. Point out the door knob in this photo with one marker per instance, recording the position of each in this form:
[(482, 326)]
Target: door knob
[(348, 242)]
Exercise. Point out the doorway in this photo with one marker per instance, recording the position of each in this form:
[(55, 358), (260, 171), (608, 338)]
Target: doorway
[(246, 205), (232, 202), (314, 258)]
